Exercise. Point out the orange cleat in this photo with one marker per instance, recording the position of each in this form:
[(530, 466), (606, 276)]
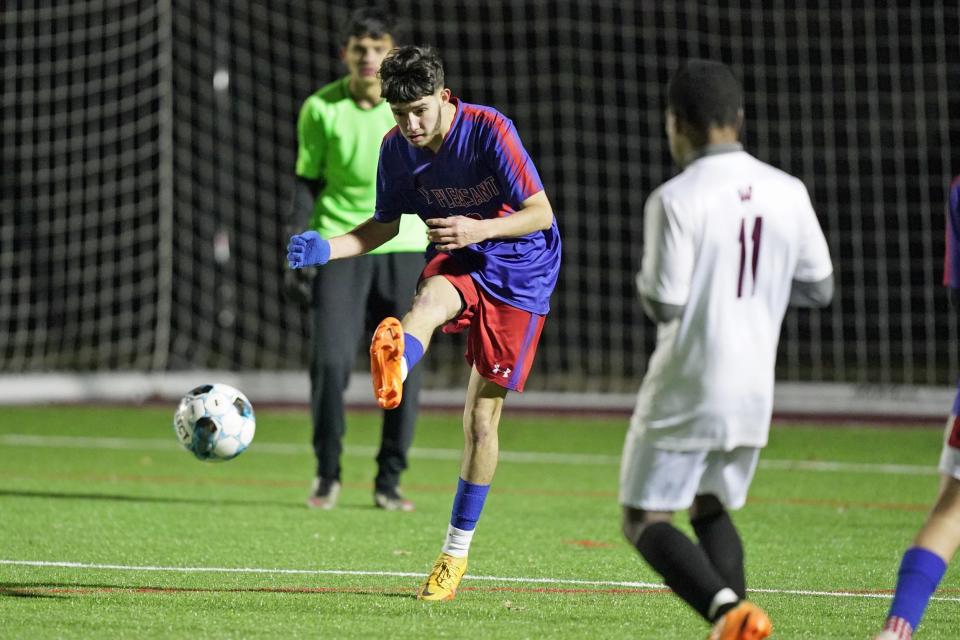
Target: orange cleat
[(746, 621), (444, 579), (386, 354)]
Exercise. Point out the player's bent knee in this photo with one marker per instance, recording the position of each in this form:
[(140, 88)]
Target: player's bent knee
[(632, 530), (635, 521), (437, 296), (480, 428), (706, 506)]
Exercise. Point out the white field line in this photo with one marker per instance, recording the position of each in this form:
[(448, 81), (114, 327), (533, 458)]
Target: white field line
[(403, 574), (521, 457), (278, 448)]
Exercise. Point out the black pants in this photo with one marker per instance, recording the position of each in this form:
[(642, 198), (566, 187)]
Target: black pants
[(350, 297)]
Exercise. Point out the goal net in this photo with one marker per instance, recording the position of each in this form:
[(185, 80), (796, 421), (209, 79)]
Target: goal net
[(149, 151)]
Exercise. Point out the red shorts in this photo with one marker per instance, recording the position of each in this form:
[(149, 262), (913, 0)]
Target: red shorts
[(502, 340)]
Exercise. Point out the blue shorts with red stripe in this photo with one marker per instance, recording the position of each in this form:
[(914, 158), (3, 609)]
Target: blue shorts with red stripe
[(502, 339)]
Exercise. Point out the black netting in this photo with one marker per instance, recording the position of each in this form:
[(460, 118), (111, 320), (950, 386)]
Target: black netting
[(149, 152)]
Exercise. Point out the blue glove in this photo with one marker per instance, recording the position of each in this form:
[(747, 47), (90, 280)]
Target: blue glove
[(307, 249)]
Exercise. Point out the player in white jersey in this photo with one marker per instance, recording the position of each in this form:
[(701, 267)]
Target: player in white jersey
[(729, 243)]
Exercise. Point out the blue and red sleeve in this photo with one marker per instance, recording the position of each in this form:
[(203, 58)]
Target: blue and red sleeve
[(515, 170)]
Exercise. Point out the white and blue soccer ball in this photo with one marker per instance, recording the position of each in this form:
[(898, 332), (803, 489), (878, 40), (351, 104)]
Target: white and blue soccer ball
[(215, 422)]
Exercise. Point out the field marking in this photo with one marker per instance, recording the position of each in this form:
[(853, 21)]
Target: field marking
[(279, 448), (404, 574), (848, 467), (520, 457)]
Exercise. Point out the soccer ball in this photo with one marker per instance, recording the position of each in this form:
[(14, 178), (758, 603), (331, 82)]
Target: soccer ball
[(215, 422)]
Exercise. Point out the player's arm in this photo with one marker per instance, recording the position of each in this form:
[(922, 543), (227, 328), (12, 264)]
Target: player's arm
[(456, 232), (812, 294), (664, 279), (502, 151), (309, 248), (812, 285), (364, 238), (660, 311)]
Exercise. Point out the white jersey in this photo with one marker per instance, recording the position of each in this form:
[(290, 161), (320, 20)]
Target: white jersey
[(725, 239)]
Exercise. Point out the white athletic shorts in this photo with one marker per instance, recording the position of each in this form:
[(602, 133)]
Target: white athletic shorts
[(662, 480)]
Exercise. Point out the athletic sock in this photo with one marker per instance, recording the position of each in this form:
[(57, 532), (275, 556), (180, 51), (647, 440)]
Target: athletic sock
[(467, 505), (684, 566), (458, 542), (725, 600), (721, 542), (920, 573), (412, 352)]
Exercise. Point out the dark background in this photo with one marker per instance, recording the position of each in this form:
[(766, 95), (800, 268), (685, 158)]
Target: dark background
[(142, 210)]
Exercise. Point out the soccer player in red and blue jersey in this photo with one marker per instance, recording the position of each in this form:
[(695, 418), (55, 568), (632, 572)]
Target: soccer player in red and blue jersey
[(491, 266), (924, 563)]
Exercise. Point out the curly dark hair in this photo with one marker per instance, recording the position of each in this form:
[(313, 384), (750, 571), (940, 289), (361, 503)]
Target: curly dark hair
[(410, 73)]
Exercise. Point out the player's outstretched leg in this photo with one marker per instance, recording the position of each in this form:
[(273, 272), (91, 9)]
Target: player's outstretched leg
[(386, 358)]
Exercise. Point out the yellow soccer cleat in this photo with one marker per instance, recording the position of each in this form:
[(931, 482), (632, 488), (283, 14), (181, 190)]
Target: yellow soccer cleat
[(443, 581), (746, 621), (386, 352)]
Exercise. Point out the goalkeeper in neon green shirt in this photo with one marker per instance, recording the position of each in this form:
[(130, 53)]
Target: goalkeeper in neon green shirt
[(339, 131)]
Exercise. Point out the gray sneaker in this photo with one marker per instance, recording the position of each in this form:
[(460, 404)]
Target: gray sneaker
[(392, 500), (324, 494)]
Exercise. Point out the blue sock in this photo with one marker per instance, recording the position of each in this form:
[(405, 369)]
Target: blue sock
[(920, 573), (412, 350), (468, 504)]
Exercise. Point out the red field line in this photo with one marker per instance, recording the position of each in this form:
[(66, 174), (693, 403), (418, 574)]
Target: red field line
[(26, 591)]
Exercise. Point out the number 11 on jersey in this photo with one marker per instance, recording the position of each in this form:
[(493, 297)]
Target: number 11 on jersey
[(754, 251)]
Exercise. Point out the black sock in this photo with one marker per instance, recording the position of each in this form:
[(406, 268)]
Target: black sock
[(684, 566), (721, 542)]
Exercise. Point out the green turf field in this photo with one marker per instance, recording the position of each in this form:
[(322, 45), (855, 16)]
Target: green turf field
[(109, 529)]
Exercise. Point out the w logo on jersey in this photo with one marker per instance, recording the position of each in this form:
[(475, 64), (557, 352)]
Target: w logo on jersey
[(503, 373)]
